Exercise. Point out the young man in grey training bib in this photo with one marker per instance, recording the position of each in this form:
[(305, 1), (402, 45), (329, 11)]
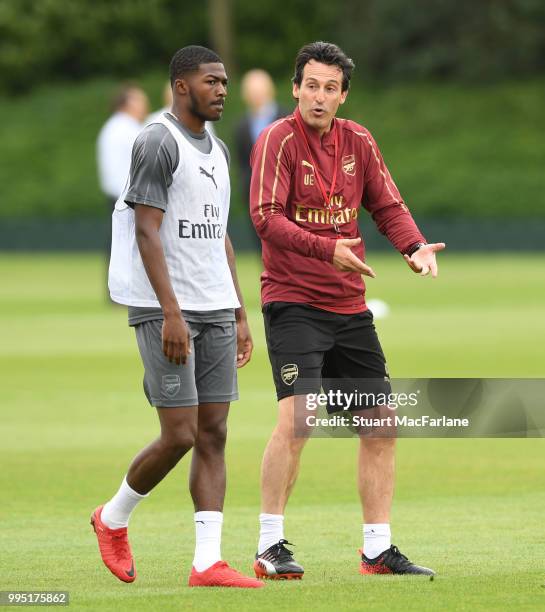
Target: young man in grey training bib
[(173, 265)]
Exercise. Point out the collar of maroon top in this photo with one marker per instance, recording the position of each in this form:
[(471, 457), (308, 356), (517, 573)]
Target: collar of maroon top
[(327, 142), (327, 194)]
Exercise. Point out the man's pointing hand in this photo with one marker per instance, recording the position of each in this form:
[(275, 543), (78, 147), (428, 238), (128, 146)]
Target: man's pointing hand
[(345, 261)]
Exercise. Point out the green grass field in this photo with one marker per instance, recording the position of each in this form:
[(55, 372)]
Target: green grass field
[(73, 416)]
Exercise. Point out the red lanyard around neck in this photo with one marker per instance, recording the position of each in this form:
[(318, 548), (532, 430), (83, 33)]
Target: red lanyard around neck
[(327, 197)]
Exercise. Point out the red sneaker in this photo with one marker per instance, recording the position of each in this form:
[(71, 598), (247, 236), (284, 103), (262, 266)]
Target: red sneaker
[(114, 548), (221, 575)]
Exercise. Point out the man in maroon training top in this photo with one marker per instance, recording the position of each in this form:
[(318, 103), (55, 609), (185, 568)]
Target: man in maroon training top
[(311, 173)]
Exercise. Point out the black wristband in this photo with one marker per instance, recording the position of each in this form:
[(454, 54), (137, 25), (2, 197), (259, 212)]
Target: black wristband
[(415, 248)]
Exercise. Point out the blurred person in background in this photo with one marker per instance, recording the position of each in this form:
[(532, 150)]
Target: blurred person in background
[(130, 106), (167, 101), (258, 93), (115, 139)]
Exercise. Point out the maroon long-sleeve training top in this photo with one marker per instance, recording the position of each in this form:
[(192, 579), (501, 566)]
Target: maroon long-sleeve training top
[(296, 227)]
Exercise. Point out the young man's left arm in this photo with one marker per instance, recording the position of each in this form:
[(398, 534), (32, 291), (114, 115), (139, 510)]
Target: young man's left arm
[(245, 344), (392, 217)]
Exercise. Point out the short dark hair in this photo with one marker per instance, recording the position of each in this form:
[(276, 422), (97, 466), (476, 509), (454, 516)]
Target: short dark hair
[(122, 94), (188, 59), (325, 53)]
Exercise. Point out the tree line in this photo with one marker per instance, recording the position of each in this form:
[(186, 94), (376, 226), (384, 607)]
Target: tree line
[(391, 40)]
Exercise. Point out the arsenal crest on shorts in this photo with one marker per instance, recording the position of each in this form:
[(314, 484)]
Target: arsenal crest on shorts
[(289, 373), (349, 164), (171, 384)]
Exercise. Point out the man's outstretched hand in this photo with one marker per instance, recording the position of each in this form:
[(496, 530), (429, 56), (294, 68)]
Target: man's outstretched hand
[(423, 261), (345, 261)]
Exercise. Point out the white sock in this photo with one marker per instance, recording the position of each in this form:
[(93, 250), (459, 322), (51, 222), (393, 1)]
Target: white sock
[(207, 539), (376, 539), (272, 530), (117, 511)]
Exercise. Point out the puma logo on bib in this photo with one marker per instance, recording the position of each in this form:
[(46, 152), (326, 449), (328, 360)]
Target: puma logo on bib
[(209, 175)]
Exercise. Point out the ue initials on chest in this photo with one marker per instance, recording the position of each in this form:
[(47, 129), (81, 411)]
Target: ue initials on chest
[(308, 177)]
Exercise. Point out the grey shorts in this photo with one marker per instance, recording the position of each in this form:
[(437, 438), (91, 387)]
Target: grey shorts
[(209, 375)]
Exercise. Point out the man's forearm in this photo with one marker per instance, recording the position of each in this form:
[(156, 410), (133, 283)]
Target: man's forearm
[(240, 313), (153, 257), (398, 226), (285, 234)]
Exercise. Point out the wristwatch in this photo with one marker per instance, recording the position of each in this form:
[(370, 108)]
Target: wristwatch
[(415, 248)]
